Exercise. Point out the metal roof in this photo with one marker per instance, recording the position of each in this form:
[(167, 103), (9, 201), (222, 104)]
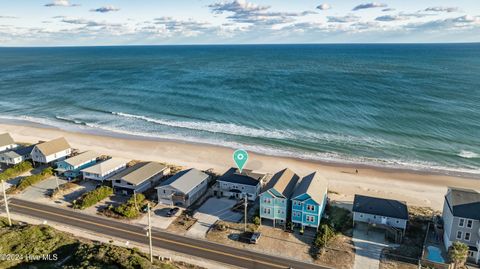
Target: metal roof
[(186, 180)]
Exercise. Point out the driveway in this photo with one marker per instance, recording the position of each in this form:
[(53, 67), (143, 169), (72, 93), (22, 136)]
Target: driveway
[(39, 192), (159, 217), (212, 210), (369, 244)]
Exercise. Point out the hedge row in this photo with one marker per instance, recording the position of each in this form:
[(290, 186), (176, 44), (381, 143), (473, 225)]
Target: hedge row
[(90, 198), (16, 170), (30, 180), (128, 209)]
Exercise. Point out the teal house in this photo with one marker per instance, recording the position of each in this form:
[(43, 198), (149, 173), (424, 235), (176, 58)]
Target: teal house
[(308, 201), (70, 168), (275, 200)]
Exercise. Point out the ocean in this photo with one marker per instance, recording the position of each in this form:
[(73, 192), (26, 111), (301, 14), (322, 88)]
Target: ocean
[(388, 105)]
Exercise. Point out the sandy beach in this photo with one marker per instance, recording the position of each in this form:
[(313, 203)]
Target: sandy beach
[(416, 188)]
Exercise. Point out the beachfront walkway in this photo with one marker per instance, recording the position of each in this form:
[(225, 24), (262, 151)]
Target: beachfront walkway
[(368, 247)]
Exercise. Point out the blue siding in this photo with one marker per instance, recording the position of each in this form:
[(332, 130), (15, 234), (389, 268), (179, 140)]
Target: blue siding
[(307, 212)]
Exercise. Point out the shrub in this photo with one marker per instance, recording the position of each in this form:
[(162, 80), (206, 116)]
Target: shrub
[(340, 219), (256, 220), (458, 254), (324, 235), (30, 180), (128, 209), (92, 197), (16, 170)]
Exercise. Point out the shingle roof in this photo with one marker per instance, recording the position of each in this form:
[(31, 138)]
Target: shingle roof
[(53, 146), (464, 203), (6, 139), (283, 182), (247, 177), (105, 166), (24, 150), (82, 158), (141, 172), (380, 207), (186, 180), (314, 185)]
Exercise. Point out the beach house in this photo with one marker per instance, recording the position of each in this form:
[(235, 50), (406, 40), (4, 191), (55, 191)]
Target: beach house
[(16, 155), (184, 188), (391, 215), (104, 170), (275, 200), (236, 184), (461, 220), (51, 151), (70, 167), (139, 177), (6, 142), (309, 200)]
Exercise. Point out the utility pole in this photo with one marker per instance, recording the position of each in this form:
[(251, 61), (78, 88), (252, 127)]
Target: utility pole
[(58, 185), (245, 217), (135, 198), (150, 233), (6, 203)]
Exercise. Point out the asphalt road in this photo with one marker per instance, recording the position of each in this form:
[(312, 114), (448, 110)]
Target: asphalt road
[(173, 242)]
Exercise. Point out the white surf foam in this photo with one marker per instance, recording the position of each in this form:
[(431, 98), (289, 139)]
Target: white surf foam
[(468, 154)]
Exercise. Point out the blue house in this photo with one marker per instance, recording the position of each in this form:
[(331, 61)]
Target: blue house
[(275, 200), (308, 201), (71, 167)]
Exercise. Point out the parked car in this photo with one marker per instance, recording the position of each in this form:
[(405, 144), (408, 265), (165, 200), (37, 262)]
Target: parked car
[(172, 211), (249, 237)]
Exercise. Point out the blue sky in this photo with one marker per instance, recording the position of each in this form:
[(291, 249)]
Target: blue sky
[(122, 22)]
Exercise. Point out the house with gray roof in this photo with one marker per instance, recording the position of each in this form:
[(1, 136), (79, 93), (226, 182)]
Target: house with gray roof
[(71, 167), (51, 151), (104, 170), (17, 155), (461, 220), (184, 188), (6, 142), (139, 177), (380, 212), (239, 185), (275, 200), (309, 200)]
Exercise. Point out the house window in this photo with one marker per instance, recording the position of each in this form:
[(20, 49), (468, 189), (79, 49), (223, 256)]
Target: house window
[(461, 223), (311, 207), (266, 210), (361, 215), (310, 218), (459, 234), (467, 237), (398, 221), (267, 201), (469, 223), (470, 254)]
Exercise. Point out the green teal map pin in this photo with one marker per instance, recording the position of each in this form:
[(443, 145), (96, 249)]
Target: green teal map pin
[(240, 157)]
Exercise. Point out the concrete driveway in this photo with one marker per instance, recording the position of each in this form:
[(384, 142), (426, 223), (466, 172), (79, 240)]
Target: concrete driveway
[(369, 244), (159, 217), (212, 210), (39, 192)]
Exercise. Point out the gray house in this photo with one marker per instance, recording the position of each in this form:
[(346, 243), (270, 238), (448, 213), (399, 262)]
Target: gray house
[(183, 189), (380, 212), (461, 218), (17, 155), (139, 178), (238, 184)]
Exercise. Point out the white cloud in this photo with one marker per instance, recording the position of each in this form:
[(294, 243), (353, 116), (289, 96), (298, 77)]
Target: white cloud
[(343, 19), (443, 9), (105, 9), (369, 5), (390, 18), (324, 6), (61, 3)]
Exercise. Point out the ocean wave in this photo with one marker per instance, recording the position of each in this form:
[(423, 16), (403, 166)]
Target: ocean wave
[(468, 154), (70, 120), (213, 127)]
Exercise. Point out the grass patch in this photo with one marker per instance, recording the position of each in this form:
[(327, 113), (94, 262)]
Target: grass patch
[(16, 170), (128, 209), (90, 198), (71, 253), (30, 180)]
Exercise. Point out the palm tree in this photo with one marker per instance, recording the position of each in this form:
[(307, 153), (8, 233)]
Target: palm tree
[(458, 254)]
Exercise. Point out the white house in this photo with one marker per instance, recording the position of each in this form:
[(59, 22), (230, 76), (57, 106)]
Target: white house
[(184, 188), (53, 150), (238, 184), (380, 212), (139, 177), (17, 155), (6, 142), (104, 170)]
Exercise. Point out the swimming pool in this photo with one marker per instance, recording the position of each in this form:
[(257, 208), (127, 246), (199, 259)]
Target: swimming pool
[(435, 254)]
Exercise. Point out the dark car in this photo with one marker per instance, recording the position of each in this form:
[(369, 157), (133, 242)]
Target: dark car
[(249, 237), (172, 211)]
